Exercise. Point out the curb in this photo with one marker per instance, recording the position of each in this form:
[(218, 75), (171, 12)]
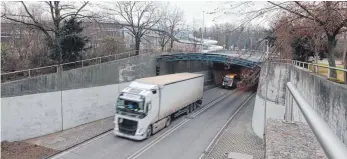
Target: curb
[(60, 151)]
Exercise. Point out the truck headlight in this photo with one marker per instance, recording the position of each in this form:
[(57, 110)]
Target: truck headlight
[(140, 131)]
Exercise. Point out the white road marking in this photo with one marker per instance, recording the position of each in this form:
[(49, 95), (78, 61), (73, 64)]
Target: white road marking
[(79, 146), (221, 129), (151, 144)]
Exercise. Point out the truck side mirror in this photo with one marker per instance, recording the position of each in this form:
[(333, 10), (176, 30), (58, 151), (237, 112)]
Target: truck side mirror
[(154, 91), (149, 106)]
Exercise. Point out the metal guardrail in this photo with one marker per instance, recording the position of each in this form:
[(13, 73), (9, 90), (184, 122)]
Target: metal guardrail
[(331, 144)]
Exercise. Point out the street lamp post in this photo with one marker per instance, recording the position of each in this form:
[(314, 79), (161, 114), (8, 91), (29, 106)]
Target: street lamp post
[(251, 44), (202, 30)]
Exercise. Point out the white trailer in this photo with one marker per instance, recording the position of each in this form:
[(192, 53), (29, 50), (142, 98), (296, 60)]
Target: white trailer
[(149, 104)]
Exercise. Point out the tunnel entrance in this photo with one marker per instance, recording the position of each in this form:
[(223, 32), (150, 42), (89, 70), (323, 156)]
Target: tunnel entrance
[(220, 70)]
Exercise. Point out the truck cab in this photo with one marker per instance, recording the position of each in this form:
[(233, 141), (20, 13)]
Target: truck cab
[(133, 110), (230, 81)]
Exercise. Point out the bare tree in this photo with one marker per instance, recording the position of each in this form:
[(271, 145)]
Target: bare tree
[(175, 21), (141, 17), (163, 38), (171, 22), (330, 16), (51, 27)]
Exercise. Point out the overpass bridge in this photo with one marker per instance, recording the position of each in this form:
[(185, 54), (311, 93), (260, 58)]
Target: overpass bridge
[(87, 94), (249, 60)]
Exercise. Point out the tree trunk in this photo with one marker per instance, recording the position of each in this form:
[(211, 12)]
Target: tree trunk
[(57, 53), (137, 45), (171, 45), (162, 48), (331, 57), (345, 66)]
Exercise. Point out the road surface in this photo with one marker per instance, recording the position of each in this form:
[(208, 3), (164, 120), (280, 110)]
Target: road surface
[(186, 138)]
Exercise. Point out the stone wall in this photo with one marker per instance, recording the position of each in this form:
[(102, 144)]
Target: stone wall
[(327, 98)]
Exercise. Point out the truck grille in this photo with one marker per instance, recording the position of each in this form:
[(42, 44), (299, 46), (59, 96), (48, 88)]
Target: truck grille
[(127, 126)]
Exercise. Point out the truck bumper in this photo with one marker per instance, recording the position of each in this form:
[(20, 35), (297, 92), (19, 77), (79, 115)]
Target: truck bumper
[(135, 137)]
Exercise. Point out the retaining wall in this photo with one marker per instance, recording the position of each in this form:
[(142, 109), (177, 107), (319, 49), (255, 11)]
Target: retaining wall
[(327, 98), (46, 104)]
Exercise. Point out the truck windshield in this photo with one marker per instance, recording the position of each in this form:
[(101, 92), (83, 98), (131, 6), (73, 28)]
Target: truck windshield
[(130, 106), (226, 78)]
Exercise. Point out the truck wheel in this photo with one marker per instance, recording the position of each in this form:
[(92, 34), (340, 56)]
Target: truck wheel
[(168, 121), (194, 106), (149, 131), (191, 107), (188, 109), (199, 103)]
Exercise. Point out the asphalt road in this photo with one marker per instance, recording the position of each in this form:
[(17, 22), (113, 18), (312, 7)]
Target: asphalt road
[(186, 138)]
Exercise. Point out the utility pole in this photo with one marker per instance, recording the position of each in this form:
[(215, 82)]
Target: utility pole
[(315, 45), (344, 59), (267, 48), (202, 30), (251, 44)]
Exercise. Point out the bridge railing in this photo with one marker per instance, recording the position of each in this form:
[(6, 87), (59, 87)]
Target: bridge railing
[(331, 144), (32, 72)]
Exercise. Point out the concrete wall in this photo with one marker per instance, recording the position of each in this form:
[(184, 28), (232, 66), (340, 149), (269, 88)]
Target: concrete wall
[(183, 66), (113, 72), (29, 116), (33, 115), (327, 98), (51, 103), (86, 105)]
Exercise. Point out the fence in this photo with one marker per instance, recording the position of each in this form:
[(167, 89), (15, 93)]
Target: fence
[(331, 144), (316, 68), (22, 74)]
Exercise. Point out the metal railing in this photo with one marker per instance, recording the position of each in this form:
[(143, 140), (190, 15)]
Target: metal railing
[(331, 144), (316, 67), (22, 74), (312, 67)]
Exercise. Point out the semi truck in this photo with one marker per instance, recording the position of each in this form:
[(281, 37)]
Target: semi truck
[(230, 80), (148, 105)]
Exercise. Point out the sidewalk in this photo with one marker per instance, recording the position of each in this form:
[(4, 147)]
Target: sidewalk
[(74, 136), (239, 137), (291, 140), (47, 145)]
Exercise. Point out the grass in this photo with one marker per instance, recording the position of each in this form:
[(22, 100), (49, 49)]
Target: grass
[(324, 72)]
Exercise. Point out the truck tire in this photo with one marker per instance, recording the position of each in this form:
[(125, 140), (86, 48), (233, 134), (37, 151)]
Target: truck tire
[(199, 103), (168, 121), (191, 106), (195, 106), (188, 109), (149, 131)]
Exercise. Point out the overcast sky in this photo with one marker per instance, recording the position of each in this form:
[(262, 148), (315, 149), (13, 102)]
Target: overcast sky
[(194, 10)]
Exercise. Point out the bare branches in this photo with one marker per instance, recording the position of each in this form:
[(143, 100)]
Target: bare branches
[(139, 16)]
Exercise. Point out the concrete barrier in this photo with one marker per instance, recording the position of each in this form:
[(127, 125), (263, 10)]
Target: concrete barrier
[(327, 98)]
